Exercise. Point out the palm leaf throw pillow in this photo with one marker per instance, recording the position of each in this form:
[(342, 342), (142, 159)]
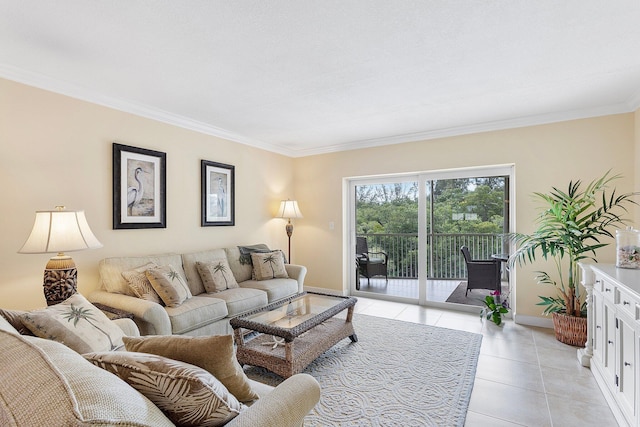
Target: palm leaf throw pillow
[(268, 265), (188, 395), (169, 285), (216, 275), (76, 323)]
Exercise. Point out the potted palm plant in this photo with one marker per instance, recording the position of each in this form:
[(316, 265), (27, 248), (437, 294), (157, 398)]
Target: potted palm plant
[(570, 228)]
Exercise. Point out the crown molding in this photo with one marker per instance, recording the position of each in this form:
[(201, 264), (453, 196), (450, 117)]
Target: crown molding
[(72, 90), (519, 122), (78, 92)]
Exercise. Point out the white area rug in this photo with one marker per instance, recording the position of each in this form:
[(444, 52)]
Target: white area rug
[(397, 374)]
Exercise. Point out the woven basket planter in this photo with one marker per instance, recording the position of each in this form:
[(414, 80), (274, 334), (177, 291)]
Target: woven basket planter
[(570, 330)]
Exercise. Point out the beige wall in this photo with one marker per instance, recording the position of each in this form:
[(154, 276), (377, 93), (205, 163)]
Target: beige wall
[(57, 150), (543, 156)]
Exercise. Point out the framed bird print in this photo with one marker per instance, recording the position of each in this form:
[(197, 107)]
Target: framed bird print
[(139, 188), (218, 194)]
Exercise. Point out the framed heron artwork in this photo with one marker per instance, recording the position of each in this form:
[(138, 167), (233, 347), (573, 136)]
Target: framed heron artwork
[(139, 188), (218, 194)]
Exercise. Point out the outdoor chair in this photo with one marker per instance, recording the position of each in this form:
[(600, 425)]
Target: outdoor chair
[(369, 264), (481, 273)]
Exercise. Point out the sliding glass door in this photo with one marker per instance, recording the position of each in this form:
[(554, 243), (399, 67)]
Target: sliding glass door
[(417, 223)]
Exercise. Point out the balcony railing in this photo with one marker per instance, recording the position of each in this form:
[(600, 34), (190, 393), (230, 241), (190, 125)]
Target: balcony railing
[(444, 260)]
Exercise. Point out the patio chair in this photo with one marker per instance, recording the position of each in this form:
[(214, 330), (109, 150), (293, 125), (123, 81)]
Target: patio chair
[(481, 273), (369, 264)]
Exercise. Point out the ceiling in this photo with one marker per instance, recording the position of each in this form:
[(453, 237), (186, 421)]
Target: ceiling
[(306, 77)]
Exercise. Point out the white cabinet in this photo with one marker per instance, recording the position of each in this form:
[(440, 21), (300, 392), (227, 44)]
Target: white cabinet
[(614, 332)]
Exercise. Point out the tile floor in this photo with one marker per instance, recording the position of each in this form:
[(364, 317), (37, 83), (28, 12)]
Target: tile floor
[(524, 376)]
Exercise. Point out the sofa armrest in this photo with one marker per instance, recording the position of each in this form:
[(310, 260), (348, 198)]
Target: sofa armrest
[(285, 406), (151, 318), (128, 326), (297, 272)]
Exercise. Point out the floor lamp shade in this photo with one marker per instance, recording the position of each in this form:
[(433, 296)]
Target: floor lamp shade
[(289, 209), (59, 231)]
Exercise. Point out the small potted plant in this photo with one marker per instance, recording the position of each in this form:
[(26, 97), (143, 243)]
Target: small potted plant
[(493, 309), (570, 228)]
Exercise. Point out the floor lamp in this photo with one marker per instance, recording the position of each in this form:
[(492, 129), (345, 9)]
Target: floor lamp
[(289, 209), (60, 231)]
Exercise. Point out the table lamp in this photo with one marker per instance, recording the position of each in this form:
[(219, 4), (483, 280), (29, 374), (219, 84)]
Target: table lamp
[(59, 231), (289, 209)]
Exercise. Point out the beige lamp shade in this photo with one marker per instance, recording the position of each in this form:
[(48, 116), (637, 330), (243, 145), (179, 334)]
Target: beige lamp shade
[(289, 209), (60, 231)]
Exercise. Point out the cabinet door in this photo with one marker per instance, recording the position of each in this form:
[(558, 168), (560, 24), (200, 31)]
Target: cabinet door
[(610, 344), (599, 345), (626, 368)]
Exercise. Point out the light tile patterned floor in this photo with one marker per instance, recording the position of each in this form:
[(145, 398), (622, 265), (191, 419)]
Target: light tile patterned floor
[(524, 376)]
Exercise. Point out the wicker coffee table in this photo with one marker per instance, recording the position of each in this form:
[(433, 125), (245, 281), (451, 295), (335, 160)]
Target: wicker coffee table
[(294, 332)]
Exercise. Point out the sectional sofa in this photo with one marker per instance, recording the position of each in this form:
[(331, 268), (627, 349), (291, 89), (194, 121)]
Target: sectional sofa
[(206, 311), (44, 382)]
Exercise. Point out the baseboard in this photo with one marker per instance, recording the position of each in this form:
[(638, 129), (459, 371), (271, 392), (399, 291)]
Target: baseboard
[(540, 322)]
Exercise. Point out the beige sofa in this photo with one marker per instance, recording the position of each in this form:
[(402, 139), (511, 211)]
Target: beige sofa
[(43, 382), (204, 313)]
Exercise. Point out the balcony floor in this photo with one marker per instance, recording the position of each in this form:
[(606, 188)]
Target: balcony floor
[(437, 290)]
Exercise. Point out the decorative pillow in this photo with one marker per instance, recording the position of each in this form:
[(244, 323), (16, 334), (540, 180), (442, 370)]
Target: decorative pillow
[(169, 284), (268, 265), (188, 395), (76, 323), (216, 275), (214, 354), (14, 317), (140, 284)]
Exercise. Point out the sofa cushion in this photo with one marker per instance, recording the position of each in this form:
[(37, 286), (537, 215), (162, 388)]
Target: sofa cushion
[(216, 275), (45, 383), (139, 283), (76, 323), (195, 313), (215, 354), (187, 394), (241, 300), (276, 289), (169, 284), (268, 265)]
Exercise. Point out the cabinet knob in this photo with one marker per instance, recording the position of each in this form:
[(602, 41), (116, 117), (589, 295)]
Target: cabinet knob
[(610, 342), (598, 281), (598, 327), (607, 289), (627, 364), (625, 303)]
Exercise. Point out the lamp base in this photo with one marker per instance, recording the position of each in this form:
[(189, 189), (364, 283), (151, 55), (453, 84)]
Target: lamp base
[(60, 279)]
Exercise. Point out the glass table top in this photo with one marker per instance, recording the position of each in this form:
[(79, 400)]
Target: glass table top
[(296, 311)]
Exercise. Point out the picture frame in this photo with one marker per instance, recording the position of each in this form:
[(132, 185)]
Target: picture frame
[(139, 188), (218, 194)]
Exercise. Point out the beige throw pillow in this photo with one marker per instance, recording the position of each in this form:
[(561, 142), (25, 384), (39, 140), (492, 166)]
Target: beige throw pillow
[(76, 323), (188, 395), (214, 354), (216, 275), (139, 283), (269, 265), (169, 285)]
